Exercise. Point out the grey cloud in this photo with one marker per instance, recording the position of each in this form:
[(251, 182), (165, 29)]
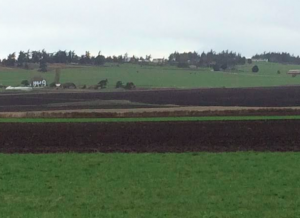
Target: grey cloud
[(150, 26)]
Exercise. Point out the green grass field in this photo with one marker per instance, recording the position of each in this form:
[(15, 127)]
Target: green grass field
[(146, 119), (150, 185), (162, 77)]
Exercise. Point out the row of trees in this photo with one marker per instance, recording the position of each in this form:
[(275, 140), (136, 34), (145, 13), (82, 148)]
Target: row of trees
[(222, 60), (64, 57), (43, 57), (213, 59), (284, 58)]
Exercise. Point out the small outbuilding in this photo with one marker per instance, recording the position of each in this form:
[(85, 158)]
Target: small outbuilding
[(11, 88), (260, 60), (294, 73), (158, 60)]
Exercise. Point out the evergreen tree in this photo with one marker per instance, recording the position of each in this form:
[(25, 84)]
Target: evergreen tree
[(11, 60), (43, 62), (43, 66), (21, 59)]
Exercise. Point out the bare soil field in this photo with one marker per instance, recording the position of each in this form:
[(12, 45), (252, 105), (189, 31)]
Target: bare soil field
[(216, 136), (246, 97)]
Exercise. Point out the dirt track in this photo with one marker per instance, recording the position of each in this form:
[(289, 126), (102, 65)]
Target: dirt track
[(156, 112), (150, 137), (247, 97)]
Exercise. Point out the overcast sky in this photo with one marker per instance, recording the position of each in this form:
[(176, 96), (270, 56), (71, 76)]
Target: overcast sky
[(156, 27)]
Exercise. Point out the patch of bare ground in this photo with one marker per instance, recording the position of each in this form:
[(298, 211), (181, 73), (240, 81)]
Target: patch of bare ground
[(228, 136)]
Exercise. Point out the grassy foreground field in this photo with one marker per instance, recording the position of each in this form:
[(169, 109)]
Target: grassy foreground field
[(162, 77), (150, 185)]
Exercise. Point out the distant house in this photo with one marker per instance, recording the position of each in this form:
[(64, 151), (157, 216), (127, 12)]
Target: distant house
[(158, 60), (144, 61), (260, 60), (38, 81)]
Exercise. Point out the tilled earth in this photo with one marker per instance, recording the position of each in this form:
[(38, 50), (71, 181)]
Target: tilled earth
[(248, 97), (161, 137)]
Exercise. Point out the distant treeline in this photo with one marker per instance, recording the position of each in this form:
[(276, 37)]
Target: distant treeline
[(210, 59), (217, 61), (284, 58), (63, 57), (222, 60), (24, 59)]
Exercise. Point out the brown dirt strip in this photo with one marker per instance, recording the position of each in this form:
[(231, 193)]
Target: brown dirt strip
[(244, 97), (229, 136), (156, 112)]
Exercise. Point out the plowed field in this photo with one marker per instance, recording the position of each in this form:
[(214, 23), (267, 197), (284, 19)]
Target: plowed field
[(248, 97), (213, 136)]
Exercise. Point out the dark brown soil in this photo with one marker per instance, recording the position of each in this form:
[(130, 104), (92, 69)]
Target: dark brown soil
[(229, 136), (249, 97)]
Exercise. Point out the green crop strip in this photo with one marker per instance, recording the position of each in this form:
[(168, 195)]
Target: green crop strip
[(149, 119)]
